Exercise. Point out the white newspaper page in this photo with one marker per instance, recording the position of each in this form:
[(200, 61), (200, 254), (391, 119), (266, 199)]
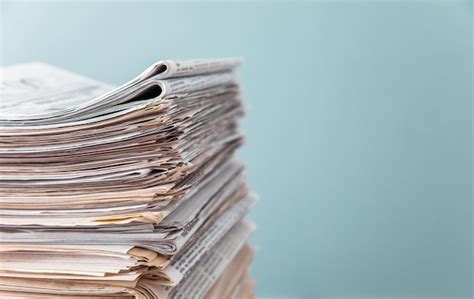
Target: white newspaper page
[(36, 88), (213, 234), (211, 266), (181, 68)]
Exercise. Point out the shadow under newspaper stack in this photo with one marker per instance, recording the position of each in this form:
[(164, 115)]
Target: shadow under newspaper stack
[(129, 191)]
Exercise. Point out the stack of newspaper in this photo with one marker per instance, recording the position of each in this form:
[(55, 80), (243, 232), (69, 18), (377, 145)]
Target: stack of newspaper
[(123, 192)]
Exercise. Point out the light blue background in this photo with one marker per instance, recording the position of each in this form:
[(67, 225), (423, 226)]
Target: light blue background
[(359, 126)]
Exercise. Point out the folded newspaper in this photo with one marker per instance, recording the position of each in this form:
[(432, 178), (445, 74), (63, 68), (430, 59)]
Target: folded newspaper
[(123, 192)]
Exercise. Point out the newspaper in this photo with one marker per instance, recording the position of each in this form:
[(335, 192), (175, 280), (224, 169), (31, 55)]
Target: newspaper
[(181, 265), (30, 93), (128, 191), (212, 265), (208, 269), (233, 276)]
